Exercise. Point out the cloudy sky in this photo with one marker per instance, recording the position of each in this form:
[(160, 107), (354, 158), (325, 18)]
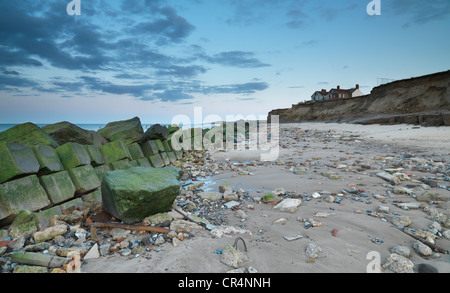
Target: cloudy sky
[(159, 58)]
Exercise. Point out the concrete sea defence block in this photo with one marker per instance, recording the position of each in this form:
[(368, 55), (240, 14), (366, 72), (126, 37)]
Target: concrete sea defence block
[(22, 194), (48, 159), (172, 157), (128, 131), (45, 215), (159, 145), (72, 155), (84, 179), (135, 151), (95, 154), (59, 186), (156, 161), (144, 162), (101, 171), (115, 151), (167, 146), (165, 158), (16, 159), (148, 148), (29, 134), (120, 165)]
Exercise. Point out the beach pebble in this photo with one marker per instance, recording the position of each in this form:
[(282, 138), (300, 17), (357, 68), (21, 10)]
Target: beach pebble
[(399, 264), (422, 249), (289, 205), (402, 221), (313, 250), (401, 250)]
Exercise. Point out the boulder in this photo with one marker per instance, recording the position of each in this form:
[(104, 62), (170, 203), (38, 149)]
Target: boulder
[(84, 179), (24, 225), (115, 151), (96, 155), (59, 186), (48, 159), (72, 155), (136, 193), (16, 159), (22, 194), (129, 131), (157, 131), (135, 151), (29, 134), (64, 132)]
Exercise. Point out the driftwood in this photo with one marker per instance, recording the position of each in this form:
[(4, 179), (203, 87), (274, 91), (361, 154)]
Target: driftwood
[(128, 227)]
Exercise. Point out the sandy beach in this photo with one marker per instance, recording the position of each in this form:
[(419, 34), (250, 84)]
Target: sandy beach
[(332, 169)]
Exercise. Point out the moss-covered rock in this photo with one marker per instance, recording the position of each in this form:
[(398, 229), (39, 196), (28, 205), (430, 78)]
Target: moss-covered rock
[(24, 225), (157, 131), (149, 148), (156, 161), (135, 151), (84, 179), (165, 158), (22, 194), (115, 151), (101, 171), (136, 193), (159, 145), (144, 162), (29, 134), (64, 132), (59, 186), (172, 157), (48, 159), (121, 165), (16, 159), (96, 155), (128, 131), (72, 155)]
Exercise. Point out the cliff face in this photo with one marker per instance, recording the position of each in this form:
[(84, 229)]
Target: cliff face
[(422, 100)]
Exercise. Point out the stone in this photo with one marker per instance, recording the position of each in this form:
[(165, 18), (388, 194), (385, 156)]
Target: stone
[(159, 145), (401, 250), (22, 194), (386, 176), (144, 162), (210, 196), (313, 251), (93, 253), (158, 219), (59, 186), (270, 198), (135, 151), (136, 193), (167, 146), (37, 247), (446, 234), (399, 264), (426, 269), (16, 159), (225, 187), (157, 131), (49, 233), (289, 205), (149, 148), (84, 179), (29, 134), (48, 159), (383, 209), (402, 221), (121, 165), (134, 163), (156, 161), (101, 170), (185, 226), (232, 257), (44, 216), (115, 151), (96, 155), (172, 157), (118, 233), (422, 249), (30, 269), (64, 132), (24, 225), (165, 158), (38, 259), (73, 155), (128, 131)]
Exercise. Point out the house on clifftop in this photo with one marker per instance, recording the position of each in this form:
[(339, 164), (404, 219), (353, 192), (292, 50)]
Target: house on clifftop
[(336, 93)]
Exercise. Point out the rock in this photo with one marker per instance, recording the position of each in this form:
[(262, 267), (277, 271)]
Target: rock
[(59, 186), (37, 247), (156, 161), (38, 259), (230, 196), (401, 250), (185, 226), (402, 221), (97, 158), (128, 131), (24, 225), (118, 233), (48, 159), (159, 219), (84, 179), (16, 159), (409, 205), (157, 131), (426, 269), (24, 193), (233, 257), (330, 198), (399, 264), (135, 151), (422, 249), (313, 251), (386, 176), (289, 205), (225, 230), (224, 187), (136, 193), (210, 196), (30, 269), (49, 233), (383, 209), (73, 155), (270, 198), (115, 151), (93, 253), (104, 249), (64, 132), (29, 134), (446, 234)]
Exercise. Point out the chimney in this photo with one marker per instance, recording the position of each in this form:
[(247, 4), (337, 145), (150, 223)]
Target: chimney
[(338, 87), (357, 86)]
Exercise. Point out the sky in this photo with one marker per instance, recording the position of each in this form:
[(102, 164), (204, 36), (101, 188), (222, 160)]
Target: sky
[(156, 59)]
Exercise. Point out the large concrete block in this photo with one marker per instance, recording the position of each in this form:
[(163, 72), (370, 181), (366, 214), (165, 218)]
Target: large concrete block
[(167, 146), (172, 157), (95, 154), (84, 178), (149, 149), (72, 155), (29, 134), (121, 165), (165, 158), (144, 162), (16, 159), (101, 171), (59, 186), (156, 161), (22, 194), (115, 151), (45, 215), (48, 159), (135, 151), (159, 145)]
